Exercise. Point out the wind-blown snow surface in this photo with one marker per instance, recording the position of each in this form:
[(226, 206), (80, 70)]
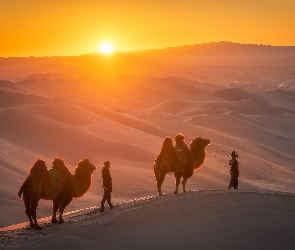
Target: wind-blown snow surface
[(124, 120), (194, 220)]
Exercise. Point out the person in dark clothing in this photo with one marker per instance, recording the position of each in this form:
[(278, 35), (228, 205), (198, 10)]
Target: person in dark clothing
[(107, 186), (234, 171)]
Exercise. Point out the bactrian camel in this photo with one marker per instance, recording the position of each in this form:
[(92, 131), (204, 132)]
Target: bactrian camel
[(180, 159), (57, 184)]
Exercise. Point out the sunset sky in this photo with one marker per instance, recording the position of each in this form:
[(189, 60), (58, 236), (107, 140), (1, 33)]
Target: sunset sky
[(74, 27)]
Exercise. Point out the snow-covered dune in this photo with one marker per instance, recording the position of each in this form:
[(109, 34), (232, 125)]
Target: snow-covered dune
[(205, 219)]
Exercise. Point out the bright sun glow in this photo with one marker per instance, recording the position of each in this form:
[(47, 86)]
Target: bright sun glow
[(106, 48)]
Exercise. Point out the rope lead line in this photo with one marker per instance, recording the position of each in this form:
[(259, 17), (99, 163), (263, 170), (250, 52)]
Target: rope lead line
[(96, 177), (218, 158)]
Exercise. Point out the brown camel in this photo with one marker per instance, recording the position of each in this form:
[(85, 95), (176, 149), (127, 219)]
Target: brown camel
[(181, 159), (57, 184)]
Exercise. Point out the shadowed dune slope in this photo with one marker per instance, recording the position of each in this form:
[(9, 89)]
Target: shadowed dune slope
[(281, 98), (9, 99), (233, 94)]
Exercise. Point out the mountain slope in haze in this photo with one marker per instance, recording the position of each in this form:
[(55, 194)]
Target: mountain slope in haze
[(150, 62)]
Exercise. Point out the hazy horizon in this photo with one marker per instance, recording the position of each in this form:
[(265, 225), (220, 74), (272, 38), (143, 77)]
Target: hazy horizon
[(154, 49)]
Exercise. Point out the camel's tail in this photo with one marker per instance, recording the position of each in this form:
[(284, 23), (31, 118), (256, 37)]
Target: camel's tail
[(22, 187), (20, 191)]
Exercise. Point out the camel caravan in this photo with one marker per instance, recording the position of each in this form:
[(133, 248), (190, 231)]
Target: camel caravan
[(61, 186)]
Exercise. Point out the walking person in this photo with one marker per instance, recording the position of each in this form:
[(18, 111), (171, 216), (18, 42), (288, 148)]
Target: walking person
[(234, 171), (107, 186)]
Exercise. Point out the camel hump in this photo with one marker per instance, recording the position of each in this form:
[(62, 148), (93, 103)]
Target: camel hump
[(37, 171), (167, 152), (167, 145), (39, 168), (59, 165), (179, 138)]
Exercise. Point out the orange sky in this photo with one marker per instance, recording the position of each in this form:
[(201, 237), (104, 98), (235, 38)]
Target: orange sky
[(73, 27)]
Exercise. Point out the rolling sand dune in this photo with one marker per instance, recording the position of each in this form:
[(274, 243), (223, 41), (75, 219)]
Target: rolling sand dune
[(281, 98), (9, 99), (8, 86), (174, 106), (233, 94), (43, 136), (70, 111)]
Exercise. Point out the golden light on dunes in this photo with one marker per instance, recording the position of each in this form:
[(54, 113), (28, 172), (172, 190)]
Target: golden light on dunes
[(106, 48)]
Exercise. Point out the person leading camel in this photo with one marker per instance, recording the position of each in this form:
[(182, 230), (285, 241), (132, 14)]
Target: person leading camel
[(107, 186), (234, 171)]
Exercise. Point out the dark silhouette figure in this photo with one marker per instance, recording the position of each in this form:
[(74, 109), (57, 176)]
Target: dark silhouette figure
[(107, 186), (234, 171)]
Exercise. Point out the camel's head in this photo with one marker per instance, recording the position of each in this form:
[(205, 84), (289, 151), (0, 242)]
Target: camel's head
[(86, 166), (199, 143)]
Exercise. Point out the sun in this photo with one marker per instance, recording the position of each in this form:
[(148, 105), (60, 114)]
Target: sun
[(106, 48)]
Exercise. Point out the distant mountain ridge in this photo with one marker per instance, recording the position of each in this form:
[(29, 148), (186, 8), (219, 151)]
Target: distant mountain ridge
[(217, 52), (221, 44), (151, 62)]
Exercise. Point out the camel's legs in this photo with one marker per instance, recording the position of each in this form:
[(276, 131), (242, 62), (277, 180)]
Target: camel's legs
[(34, 205), (160, 190), (160, 182), (184, 181), (31, 204), (28, 211), (177, 181), (63, 203), (55, 206)]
